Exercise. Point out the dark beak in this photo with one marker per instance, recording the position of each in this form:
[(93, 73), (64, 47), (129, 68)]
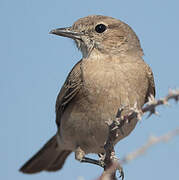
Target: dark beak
[(66, 32)]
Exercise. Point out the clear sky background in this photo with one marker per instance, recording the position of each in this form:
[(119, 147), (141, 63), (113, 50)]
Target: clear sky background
[(34, 65)]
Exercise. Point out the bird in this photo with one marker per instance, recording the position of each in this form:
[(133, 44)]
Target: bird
[(111, 74)]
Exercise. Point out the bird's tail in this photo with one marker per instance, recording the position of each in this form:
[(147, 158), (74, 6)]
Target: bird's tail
[(48, 158)]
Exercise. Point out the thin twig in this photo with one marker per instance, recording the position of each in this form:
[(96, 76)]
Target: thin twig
[(151, 141)]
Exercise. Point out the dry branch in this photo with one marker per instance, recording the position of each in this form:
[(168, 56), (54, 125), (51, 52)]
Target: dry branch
[(151, 141), (150, 107)]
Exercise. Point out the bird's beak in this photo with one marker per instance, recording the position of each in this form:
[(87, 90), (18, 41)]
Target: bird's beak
[(66, 32)]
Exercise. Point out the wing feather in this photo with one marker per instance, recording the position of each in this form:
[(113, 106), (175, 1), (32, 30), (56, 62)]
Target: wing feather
[(69, 90)]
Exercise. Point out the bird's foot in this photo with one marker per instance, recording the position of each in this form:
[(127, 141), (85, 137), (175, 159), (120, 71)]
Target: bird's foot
[(80, 156), (93, 161)]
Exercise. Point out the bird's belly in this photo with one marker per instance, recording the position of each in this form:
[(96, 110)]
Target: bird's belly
[(86, 124)]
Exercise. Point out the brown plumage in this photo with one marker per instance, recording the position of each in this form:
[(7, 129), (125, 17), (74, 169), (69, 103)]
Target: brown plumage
[(111, 74)]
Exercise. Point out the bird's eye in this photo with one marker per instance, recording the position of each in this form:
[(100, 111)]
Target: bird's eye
[(100, 28)]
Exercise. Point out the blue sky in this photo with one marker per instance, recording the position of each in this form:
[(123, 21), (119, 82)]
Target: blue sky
[(34, 65)]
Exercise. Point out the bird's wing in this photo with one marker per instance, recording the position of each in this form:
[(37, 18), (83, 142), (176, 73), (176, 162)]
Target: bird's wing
[(151, 88), (68, 91)]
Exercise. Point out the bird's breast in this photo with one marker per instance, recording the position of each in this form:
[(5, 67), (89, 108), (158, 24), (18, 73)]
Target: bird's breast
[(110, 83)]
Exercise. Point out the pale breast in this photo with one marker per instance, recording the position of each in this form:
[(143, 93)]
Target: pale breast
[(113, 83)]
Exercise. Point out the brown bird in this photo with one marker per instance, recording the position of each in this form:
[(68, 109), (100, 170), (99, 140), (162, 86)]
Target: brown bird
[(111, 74)]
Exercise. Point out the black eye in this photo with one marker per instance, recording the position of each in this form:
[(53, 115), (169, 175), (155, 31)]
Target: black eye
[(100, 28)]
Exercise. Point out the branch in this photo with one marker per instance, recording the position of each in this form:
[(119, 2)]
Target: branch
[(153, 103), (149, 107), (151, 141), (120, 120)]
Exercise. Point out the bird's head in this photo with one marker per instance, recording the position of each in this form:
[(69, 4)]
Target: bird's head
[(102, 34)]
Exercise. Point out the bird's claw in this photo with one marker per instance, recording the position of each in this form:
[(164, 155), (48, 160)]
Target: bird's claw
[(120, 169)]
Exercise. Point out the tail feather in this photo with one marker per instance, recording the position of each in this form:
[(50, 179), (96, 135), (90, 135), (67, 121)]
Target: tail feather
[(49, 158), (60, 160)]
